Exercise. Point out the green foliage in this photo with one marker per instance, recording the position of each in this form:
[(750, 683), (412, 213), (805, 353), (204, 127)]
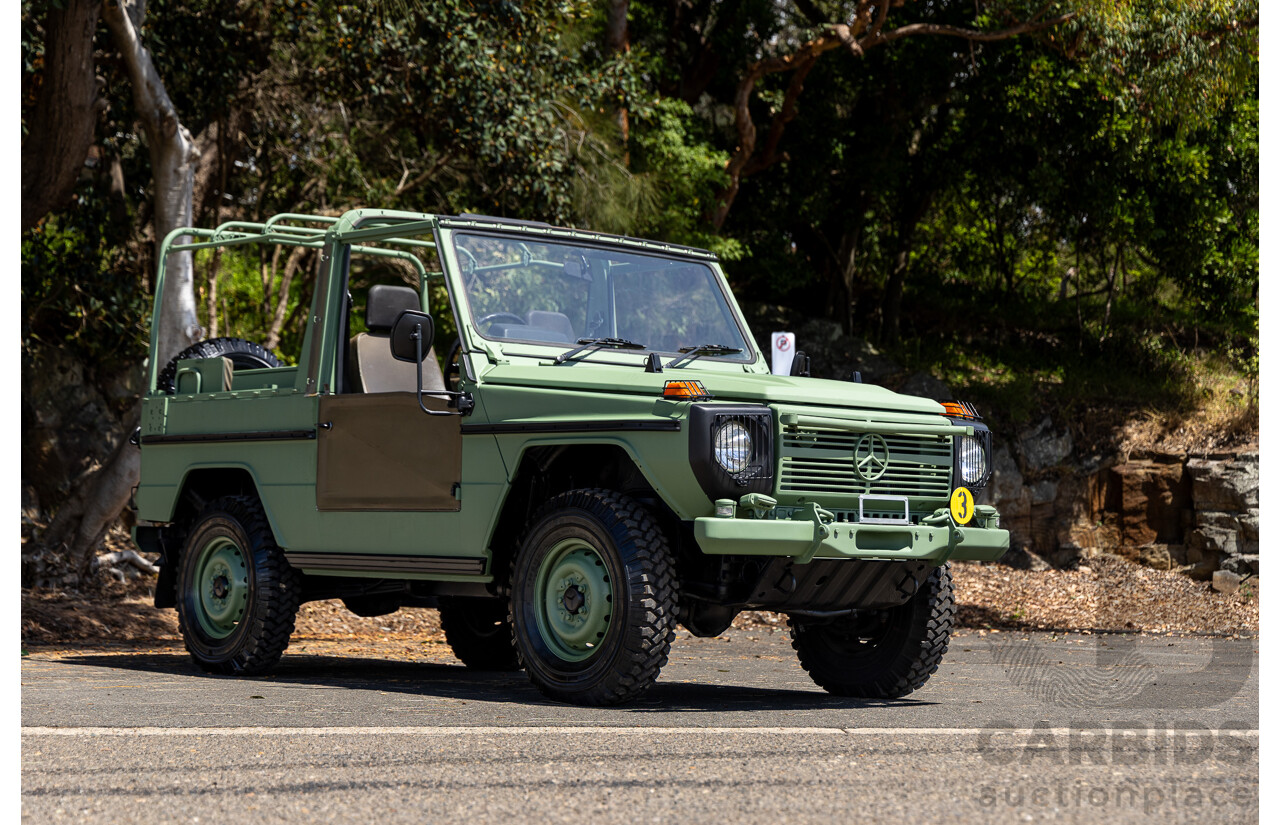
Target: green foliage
[(243, 308), (206, 51), (77, 291), (669, 187), (1017, 215), (490, 93), (1172, 60), (687, 170)]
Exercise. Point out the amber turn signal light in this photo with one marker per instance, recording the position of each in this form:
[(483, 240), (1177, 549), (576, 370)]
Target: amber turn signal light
[(685, 391), (960, 409)]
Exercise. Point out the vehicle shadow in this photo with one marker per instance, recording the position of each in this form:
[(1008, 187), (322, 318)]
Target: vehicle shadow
[(450, 681)]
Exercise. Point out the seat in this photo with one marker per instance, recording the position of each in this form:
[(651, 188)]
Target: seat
[(371, 365), (555, 322)]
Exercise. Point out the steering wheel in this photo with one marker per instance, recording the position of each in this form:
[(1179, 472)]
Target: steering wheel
[(452, 369), (494, 316)]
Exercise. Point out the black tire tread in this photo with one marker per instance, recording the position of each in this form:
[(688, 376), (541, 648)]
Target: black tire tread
[(646, 651), (272, 618), (927, 645), (477, 652)]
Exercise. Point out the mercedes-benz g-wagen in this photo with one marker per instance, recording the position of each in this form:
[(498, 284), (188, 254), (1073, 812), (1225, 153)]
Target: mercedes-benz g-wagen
[(601, 453)]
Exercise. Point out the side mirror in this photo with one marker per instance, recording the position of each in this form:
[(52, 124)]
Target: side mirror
[(412, 336)]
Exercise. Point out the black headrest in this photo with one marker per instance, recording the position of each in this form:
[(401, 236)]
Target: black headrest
[(385, 305)]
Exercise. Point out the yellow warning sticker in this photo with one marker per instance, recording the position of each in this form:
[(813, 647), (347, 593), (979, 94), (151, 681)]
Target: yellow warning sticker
[(962, 505)]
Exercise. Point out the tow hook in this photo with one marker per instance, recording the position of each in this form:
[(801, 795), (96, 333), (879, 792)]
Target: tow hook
[(820, 518)]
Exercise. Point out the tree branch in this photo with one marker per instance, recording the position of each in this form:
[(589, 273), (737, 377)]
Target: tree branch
[(880, 18), (851, 36), (788, 112), (974, 35)]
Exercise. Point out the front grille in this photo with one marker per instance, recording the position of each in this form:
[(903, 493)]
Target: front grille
[(817, 461)]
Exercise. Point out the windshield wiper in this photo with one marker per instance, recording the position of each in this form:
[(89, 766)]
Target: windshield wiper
[(690, 353), (593, 344)]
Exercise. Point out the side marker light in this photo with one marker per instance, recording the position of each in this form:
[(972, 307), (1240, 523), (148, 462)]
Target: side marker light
[(960, 409), (685, 391)]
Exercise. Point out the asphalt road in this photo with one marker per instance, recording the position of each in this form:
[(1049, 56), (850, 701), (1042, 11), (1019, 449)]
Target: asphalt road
[(1012, 728)]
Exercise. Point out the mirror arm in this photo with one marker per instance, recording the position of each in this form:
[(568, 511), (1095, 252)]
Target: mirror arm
[(465, 403)]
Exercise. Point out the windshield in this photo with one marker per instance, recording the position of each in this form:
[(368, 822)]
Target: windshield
[(551, 293)]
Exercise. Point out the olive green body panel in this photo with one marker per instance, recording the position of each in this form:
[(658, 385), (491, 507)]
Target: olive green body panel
[(724, 382), (563, 417), (171, 449), (284, 474), (203, 375)]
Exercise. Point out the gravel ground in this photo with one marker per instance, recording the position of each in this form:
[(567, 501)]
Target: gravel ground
[(1111, 595)]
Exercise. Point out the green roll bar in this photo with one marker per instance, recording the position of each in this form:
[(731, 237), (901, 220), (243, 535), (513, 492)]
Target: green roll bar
[(289, 229)]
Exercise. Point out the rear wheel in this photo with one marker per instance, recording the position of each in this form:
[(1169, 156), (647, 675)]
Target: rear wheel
[(880, 654), (237, 595), (593, 598), (479, 632)]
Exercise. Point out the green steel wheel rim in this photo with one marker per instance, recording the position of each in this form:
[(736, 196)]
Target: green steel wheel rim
[(222, 587), (573, 600)]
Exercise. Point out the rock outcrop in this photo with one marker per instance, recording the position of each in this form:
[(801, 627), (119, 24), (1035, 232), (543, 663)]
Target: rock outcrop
[(1225, 532), (1196, 515)]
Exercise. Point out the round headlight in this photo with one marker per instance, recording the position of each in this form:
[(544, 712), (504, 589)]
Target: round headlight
[(732, 447), (973, 460)]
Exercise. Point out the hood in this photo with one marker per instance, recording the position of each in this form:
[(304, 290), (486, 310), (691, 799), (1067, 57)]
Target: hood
[(724, 386)]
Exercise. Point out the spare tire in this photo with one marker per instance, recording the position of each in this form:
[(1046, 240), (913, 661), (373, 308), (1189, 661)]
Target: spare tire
[(244, 355)]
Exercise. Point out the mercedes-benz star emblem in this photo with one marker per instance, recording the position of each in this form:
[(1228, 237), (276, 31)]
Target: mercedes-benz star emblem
[(871, 457)]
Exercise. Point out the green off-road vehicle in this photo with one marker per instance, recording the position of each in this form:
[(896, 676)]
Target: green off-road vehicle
[(601, 454)]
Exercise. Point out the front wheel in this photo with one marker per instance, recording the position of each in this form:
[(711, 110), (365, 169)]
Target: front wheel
[(880, 654), (593, 598), (237, 595)]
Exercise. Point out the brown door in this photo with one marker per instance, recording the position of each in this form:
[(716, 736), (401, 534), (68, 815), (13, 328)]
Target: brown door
[(381, 452)]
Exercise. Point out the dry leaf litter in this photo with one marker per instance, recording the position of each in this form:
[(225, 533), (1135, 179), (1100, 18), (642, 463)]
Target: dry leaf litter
[(1108, 595)]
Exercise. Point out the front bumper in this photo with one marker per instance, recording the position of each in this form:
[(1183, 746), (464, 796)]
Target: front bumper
[(807, 536)]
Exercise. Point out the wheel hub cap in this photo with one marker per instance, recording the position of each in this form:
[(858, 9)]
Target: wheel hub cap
[(574, 600), (222, 587)]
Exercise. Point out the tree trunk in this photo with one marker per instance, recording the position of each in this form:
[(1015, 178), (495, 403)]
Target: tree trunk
[(893, 294), (173, 162), (101, 497), (918, 202), (617, 40), (1112, 272), (849, 273), (60, 128), (282, 301)]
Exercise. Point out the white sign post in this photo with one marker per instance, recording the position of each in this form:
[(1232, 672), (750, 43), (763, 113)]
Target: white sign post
[(784, 352)]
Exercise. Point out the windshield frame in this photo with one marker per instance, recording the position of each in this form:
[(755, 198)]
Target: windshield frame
[(750, 355)]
